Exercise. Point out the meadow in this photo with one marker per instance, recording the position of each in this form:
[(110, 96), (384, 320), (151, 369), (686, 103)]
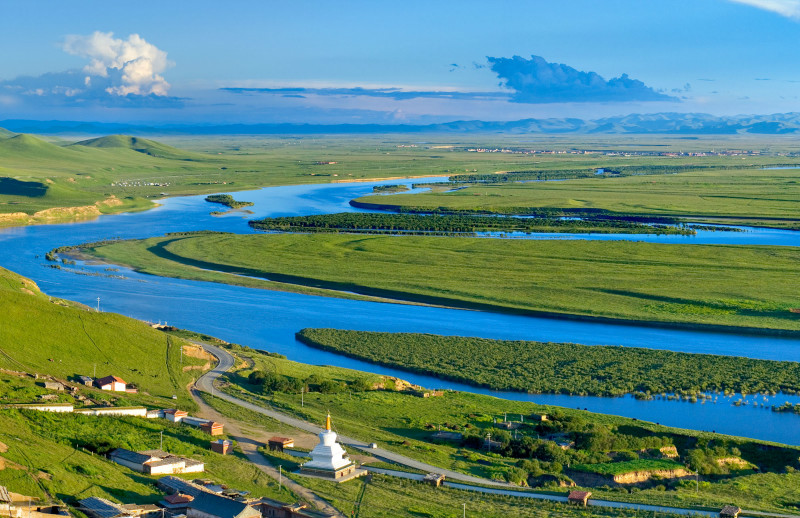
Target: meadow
[(560, 368), (122, 173), (738, 287), (748, 196)]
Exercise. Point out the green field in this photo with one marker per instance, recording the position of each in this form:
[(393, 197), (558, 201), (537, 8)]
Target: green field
[(403, 422), (735, 286), (560, 368), (768, 197), (120, 172)]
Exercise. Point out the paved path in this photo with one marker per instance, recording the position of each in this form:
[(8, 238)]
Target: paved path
[(226, 361)]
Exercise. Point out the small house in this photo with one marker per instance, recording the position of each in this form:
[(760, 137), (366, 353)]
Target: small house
[(96, 507), (174, 415), (279, 443), (539, 417), (52, 385), (212, 428), (209, 505), (175, 485), (85, 380), (434, 479), (447, 436), (155, 462), (221, 446), (579, 497), (112, 383), (176, 503), (730, 511)]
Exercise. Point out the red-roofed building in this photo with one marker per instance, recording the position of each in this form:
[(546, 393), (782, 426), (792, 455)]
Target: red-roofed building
[(212, 428), (112, 383), (579, 497)]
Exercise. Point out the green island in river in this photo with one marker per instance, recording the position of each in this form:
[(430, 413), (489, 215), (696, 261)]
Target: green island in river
[(733, 287), (538, 367)]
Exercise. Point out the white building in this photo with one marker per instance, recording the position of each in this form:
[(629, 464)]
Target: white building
[(112, 383), (155, 462), (328, 458)]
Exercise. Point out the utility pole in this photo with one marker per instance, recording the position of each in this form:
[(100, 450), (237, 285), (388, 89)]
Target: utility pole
[(465, 511), (280, 476), (161, 445), (302, 400)]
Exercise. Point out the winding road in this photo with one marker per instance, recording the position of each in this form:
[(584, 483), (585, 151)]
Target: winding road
[(226, 361)]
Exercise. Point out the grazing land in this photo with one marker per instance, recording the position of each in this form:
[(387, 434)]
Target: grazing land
[(751, 196), (734, 286), (44, 180), (539, 367)]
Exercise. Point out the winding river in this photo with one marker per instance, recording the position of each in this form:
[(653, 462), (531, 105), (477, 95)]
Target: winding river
[(268, 319)]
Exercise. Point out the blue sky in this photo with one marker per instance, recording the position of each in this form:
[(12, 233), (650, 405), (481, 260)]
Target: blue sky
[(411, 61)]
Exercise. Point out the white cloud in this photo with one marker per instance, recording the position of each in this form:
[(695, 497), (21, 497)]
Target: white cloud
[(787, 8), (138, 63)]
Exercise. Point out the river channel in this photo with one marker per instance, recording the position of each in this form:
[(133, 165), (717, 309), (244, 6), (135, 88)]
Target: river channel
[(268, 319)]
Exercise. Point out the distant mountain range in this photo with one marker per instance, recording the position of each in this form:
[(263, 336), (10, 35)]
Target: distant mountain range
[(655, 123)]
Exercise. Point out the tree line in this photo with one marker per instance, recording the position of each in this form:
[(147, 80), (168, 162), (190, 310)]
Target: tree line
[(363, 222)]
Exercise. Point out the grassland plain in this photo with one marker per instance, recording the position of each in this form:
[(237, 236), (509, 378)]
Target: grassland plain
[(40, 334), (768, 197), (739, 287), (540, 367), (403, 422), (119, 173)]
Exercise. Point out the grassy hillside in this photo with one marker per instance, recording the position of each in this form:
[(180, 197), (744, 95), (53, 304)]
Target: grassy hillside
[(51, 336), (739, 286), (140, 145), (60, 457)]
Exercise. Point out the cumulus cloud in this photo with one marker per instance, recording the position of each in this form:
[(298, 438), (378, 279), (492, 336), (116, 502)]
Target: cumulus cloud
[(133, 65), (538, 81), (787, 8)]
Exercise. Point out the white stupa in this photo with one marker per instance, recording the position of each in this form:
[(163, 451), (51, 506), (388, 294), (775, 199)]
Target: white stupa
[(328, 458)]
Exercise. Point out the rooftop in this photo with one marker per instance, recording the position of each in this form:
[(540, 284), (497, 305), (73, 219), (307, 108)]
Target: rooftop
[(130, 456), (216, 505), (102, 508)]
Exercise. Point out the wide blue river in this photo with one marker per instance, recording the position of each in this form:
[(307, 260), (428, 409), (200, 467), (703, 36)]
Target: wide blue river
[(268, 319)]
